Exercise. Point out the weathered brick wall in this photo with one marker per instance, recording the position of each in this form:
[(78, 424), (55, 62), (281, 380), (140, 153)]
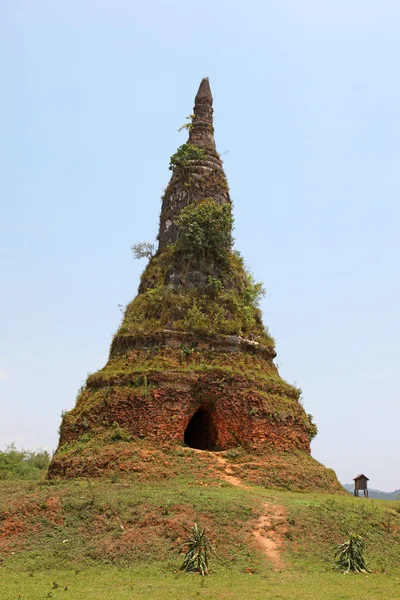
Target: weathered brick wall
[(245, 409)]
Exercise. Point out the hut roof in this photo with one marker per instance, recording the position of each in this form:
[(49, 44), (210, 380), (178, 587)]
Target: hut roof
[(361, 475)]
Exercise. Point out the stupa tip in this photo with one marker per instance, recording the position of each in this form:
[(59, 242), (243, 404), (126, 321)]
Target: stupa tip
[(204, 95)]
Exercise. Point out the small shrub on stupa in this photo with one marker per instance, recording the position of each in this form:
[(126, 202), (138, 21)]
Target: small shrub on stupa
[(186, 154), (205, 231)]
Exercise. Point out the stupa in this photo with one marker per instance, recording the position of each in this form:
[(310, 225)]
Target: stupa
[(192, 364)]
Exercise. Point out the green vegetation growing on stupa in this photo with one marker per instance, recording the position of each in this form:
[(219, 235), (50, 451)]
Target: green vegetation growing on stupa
[(199, 284)]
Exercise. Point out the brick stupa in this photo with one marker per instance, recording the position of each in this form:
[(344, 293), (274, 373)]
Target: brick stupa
[(192, 364)]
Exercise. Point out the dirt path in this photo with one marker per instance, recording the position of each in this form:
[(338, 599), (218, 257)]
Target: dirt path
[(267, 536), (265, 533), (228, 474)]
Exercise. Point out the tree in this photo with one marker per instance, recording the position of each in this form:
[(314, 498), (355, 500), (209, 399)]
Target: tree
[(143, 250)]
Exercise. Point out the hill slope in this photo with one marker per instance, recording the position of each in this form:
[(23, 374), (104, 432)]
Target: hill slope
[(129, 519), (120, 538)]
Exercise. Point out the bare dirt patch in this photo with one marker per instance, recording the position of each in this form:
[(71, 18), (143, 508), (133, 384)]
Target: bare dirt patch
[(265, 531), (267, 535), (228, 473)]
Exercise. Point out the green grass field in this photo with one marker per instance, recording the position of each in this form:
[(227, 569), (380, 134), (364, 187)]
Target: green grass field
[(121, 540), (158, 583)]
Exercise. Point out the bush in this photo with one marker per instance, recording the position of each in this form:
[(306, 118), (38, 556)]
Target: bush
[(312, 428), (349, 555), (198, 550), (185, 154), (205, 231), (23, 464), (117, 434), (142, 250)]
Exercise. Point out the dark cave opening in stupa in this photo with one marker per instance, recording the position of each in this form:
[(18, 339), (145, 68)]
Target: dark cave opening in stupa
[(201, 432)]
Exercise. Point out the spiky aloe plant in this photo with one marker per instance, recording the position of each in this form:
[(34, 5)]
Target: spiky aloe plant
[(349, 555), (198, 548)]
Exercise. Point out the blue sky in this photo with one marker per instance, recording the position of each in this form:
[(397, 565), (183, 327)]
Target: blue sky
[(306, 97)]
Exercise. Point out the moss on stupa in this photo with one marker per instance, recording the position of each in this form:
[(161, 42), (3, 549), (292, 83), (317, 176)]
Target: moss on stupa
[(199, 284)]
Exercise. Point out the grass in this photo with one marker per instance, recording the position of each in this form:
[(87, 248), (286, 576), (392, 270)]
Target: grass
[(159, 583), (119, 540)]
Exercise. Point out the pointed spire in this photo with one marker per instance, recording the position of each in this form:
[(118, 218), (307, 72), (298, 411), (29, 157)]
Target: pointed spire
[(201, 178), (204, 95), (202, 131)]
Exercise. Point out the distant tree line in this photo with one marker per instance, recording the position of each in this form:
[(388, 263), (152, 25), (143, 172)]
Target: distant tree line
[(23, 464)]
